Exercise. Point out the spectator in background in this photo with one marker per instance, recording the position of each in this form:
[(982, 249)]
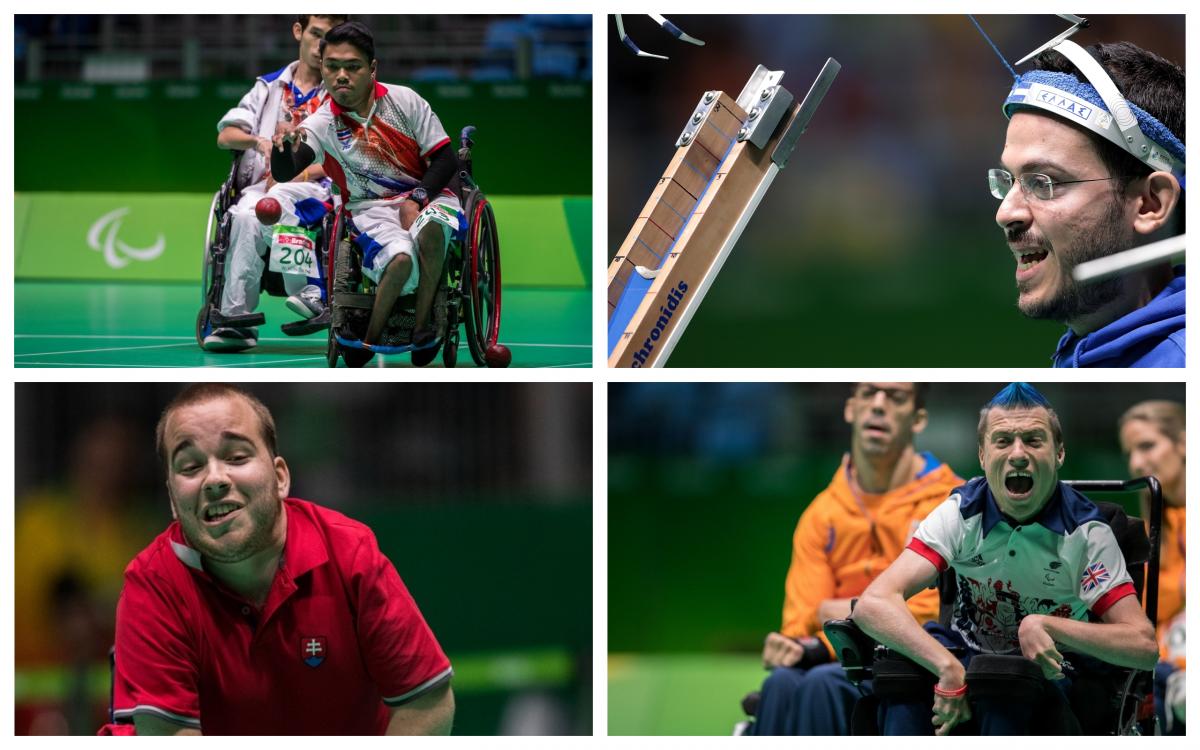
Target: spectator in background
[(1153, 438), (72, 544), (845, 538)]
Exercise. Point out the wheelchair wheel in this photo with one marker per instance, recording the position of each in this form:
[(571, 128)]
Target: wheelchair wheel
[(207, 273), (422, 357), (450, 347), (481, 295), (357, 357), (331, 349)]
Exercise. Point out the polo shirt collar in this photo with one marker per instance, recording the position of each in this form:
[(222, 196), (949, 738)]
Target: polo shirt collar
[(380, 92), (1049, 516)]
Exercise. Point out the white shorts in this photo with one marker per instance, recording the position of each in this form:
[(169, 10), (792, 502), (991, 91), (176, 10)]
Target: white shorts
[(382, 238)]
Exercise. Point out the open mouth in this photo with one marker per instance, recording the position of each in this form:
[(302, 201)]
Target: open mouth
[(215, 515), (1018, 484), (1027, 261)]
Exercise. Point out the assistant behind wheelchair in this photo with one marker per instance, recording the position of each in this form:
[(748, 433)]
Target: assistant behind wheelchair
[(216, 250), (468, 293)]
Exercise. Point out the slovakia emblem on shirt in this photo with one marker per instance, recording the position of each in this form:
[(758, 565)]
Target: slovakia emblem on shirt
[(313, 650), (1095, 575)]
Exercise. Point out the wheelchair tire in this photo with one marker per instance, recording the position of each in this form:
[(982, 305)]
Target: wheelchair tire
[(450, 347), (357, 357), (481, 293), (207, 280), (202, 326), (422, 357), (331, 349)]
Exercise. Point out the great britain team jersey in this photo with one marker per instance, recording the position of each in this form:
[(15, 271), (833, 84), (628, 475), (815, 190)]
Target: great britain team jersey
[(379, 158), (1065, 562)]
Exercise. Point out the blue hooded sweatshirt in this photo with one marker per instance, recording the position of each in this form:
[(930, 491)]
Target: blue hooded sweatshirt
[(1151, 336)]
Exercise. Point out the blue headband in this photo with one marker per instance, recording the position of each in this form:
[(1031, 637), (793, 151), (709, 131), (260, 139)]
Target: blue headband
[(1064, 95)]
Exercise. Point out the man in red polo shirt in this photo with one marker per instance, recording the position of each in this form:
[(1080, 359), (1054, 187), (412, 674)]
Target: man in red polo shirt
[(256, 613)]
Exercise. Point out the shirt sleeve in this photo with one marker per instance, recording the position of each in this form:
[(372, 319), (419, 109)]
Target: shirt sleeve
[(156, 664), (427, 128), (810, 578), (939, 537), (312, 125), (401, 652), (248, 111), (1103, 579)]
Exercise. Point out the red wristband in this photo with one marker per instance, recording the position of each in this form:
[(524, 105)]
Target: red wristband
[(956, 693)]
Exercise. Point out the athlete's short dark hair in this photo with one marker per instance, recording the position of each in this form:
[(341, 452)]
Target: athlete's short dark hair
[(198, 393), (1019, 396), (353, 33), (1151, 82), (303, 20)]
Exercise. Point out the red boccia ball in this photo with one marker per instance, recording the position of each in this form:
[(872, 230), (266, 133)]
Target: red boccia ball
[(268, 211), (498, 355)]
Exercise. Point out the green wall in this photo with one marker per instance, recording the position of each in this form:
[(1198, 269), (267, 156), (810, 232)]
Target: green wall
[(544, 240), (534, 138)]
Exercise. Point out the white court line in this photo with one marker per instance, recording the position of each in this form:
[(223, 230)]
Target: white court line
[(93, 364), (106, 349), (281, 338), (270, 362)]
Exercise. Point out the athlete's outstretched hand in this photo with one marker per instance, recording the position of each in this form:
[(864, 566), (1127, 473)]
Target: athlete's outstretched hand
[(1037, 645), (286, 133)]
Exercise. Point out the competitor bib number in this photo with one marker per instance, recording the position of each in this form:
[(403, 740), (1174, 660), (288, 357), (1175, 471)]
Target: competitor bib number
[(436, 213), (294, 251)]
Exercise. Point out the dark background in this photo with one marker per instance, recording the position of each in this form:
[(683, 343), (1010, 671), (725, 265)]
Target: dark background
[(877, 244), (152, 88)]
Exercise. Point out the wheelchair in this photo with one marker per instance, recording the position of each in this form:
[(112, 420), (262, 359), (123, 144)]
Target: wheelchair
[(468, 294), (216, 247), (1119, 703)]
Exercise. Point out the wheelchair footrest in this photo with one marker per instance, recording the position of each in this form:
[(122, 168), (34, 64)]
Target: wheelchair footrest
[(382, 349), (245, 320), (305, 327)]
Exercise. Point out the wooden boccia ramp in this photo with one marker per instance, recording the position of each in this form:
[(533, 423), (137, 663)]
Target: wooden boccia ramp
[(725, 159)]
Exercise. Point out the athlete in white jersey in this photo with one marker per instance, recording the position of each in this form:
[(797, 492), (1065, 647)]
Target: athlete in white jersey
[(1033, 558), (391, 158), (284, 97)]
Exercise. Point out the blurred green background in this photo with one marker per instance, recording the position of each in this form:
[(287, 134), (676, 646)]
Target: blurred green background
[(877, 245), (178, 153), (706, 482), (480, 495)]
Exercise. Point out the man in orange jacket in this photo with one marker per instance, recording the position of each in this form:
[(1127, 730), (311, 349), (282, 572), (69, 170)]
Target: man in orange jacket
[(848, 535)]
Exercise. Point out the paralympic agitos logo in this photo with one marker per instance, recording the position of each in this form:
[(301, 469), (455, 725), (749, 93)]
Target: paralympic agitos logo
[(665, 313), (102, 237)]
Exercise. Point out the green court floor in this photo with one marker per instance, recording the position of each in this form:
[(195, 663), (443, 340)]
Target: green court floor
[(679, 694), (97, 324)]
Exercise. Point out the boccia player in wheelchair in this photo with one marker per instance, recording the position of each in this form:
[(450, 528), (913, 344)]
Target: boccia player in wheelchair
[(278, 101)]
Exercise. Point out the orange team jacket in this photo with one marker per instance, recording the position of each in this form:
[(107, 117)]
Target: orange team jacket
[(1172, 591), (835, 555)]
